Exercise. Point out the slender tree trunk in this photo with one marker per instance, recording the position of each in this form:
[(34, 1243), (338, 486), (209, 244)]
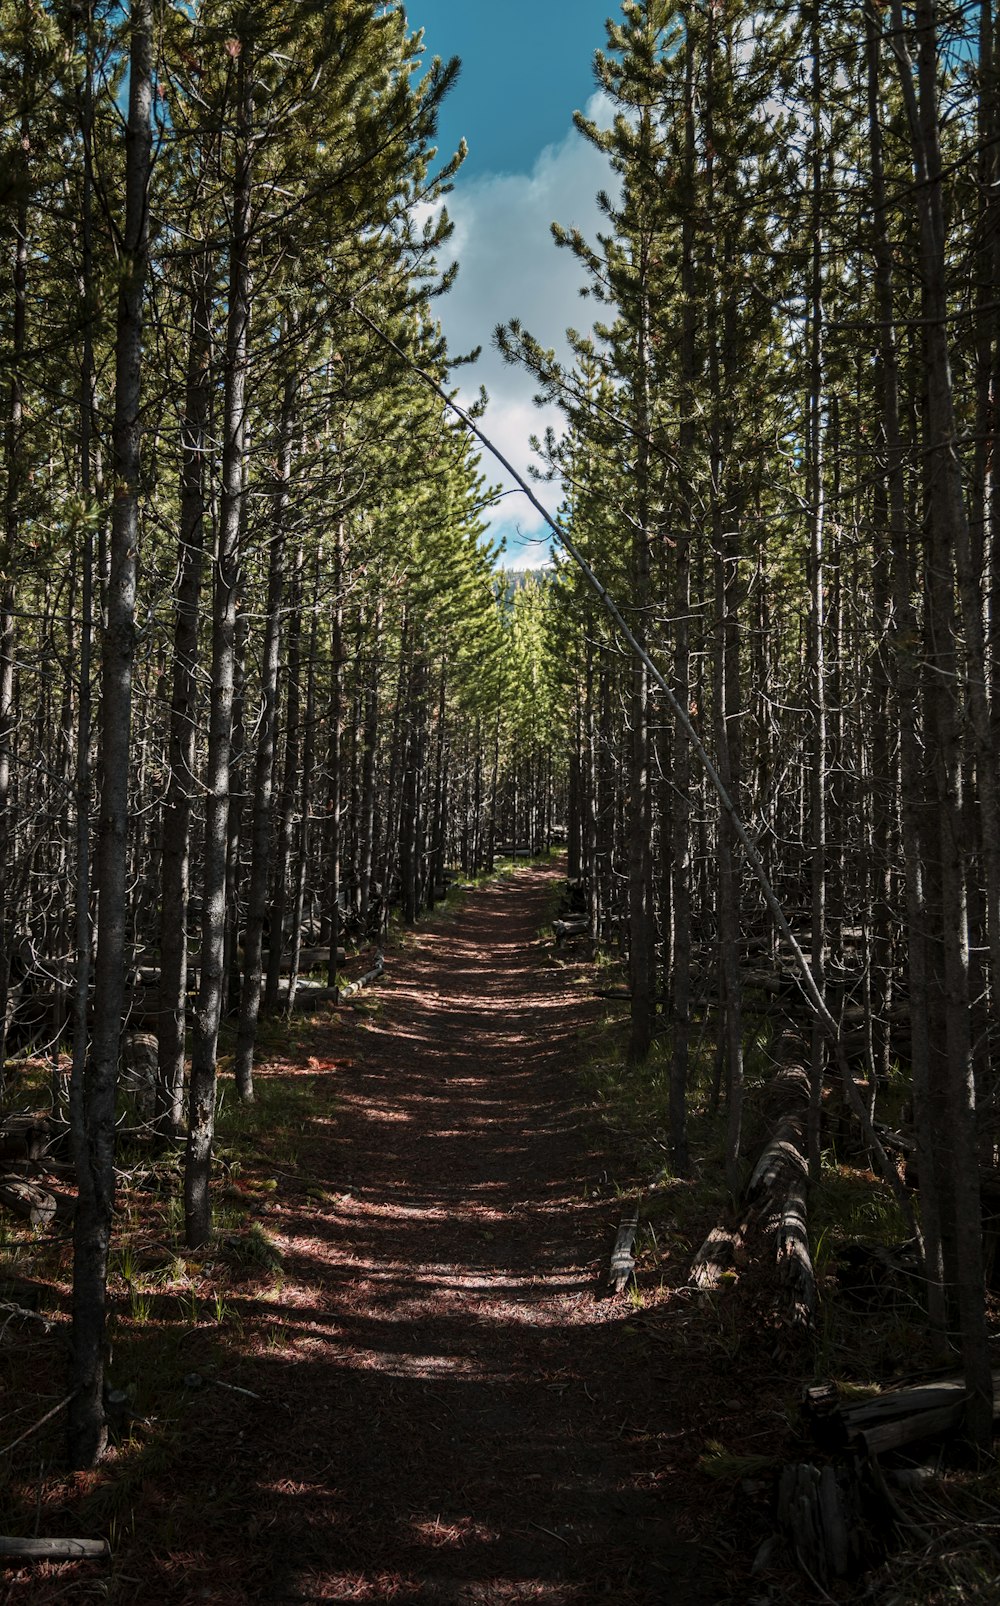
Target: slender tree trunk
[(642, 965), (906, 634), (289, 794), (14, 473), (237, 786), (439, 818), (590, 760), (182, 782), (948, 549), (725, 658), (201, 1125), (411, 809), (335, 753), (681, 756), (94, 1102), (305, 800), (369, 762), (83, 778), (263, 790), (815, 496), (574, 807)]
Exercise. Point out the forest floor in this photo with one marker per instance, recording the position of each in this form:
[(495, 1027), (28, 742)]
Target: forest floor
[(398, 1375)]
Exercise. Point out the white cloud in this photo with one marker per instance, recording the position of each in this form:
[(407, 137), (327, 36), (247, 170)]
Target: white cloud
[(509, 268), (532, 555)]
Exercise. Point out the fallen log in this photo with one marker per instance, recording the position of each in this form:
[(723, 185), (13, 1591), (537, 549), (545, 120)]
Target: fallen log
[(715, 1259), (820, 1510), (893, 1419), (306, 993), (821, 1408), (895, 1142), (794, 1259), (936, 1424), (36, 1205), (309, 959), (774, 1197), (365, 980), (622, 1256), (572, 926), (778, 1184), (53, 1549)]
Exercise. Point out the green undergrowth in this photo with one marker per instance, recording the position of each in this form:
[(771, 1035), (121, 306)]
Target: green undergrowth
[(186, 1328), (870, 1330), (631, 1106)]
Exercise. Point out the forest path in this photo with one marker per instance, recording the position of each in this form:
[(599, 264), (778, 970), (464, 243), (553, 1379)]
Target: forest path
[(449, 1413)]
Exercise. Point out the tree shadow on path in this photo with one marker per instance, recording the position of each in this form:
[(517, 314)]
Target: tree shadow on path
[(446, 1412)]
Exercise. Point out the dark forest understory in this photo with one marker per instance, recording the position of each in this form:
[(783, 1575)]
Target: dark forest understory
[(401, 1372)]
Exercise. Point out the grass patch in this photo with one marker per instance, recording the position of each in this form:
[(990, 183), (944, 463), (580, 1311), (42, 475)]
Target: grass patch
[(724, 1466), (253, 1253), (849, 1203)]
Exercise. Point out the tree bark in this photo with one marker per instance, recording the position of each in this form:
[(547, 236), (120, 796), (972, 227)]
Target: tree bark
[(14, 473), (283, 893), (369, 762), (334, 807), (905, 639), (93, 1105), (182, 782), (815, 497), (948, 547), (264, 767), (680, 980), (201, 1125)]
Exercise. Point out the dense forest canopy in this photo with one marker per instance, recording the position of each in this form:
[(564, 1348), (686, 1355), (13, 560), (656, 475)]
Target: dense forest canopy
[(261, 687)]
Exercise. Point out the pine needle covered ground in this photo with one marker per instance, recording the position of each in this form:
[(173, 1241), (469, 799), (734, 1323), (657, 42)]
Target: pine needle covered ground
[(394, 1375)]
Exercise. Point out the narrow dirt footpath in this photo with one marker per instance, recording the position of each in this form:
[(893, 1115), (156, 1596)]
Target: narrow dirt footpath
[(449, 1412)]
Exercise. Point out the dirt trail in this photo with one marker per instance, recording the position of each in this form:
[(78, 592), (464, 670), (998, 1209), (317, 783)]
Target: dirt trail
[(449, 1413)]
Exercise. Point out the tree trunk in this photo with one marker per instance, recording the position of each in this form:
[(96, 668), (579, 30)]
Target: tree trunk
[(201, 1125), (335, 753), (642, 963), (815, 498), (906, 636), (283, 894), (305, 802), (369, 761), (680, 843), (264, 768), (14, 474), (93, 1106), (182, 782), (948, 543)]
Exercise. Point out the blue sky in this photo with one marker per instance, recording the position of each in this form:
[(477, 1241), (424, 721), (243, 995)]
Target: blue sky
[(526, 67)]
